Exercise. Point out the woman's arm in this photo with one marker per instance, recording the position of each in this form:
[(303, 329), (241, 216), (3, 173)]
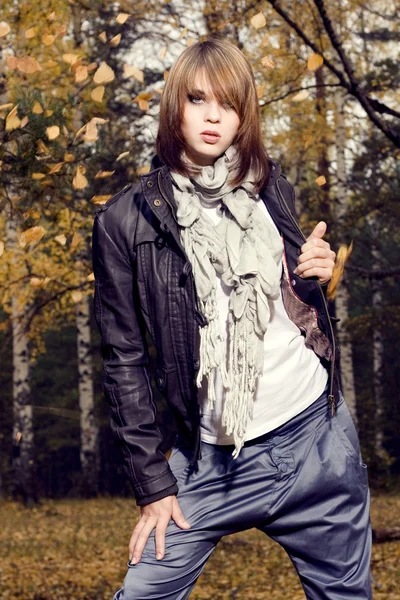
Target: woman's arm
[(126, 383)]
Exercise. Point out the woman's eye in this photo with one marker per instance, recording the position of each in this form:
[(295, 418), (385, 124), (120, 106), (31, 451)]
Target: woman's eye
[(195, 99)]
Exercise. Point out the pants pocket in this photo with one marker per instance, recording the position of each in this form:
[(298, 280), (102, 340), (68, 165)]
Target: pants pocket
[(346, 433)]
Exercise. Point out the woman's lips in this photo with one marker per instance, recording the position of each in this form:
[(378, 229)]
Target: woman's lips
[(210, 138)]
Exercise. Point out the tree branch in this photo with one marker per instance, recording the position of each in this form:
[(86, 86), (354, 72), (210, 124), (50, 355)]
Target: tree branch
[(351, 86)]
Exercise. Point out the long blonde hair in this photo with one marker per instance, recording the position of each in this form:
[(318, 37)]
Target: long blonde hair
[(231, 80)]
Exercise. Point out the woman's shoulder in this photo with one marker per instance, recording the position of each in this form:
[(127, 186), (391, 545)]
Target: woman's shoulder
[(123, 197)]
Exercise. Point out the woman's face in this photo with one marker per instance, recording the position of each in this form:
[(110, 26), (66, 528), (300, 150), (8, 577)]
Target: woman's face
[(208, 127)]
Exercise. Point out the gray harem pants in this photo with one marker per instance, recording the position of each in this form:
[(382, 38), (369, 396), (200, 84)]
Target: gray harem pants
[(303, 484)]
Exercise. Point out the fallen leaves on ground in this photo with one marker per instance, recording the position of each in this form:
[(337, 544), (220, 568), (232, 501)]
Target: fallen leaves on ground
[(77, 550)]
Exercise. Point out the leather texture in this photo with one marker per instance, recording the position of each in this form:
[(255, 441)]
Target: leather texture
[(144, 281)]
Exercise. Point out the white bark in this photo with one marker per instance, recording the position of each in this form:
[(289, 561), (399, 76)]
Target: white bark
[(341, 301), (377, 341), (23, 433), (89, 429)]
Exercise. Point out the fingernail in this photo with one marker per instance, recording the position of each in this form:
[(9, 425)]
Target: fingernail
[(134, 560), (159, 556)]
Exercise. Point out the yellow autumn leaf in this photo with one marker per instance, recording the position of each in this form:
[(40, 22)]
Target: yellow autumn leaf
[(163, 52), (48, 112), (35, 281), (302, 95), (61, 239), (104, 74), (79, 182), (76, 296), (183, 33), (90, 277), (28, 65), (314, 62), (76, 239), (342, 257), (321, 180), (55, 168), (115, 41), (50, 64), (70, 58), (143, 170), (101, 199), (98, 93), (38, 176), (81, 73), (4, 28), (122, 18), (12, 62), (5, 106), (48, 39), (131, 71), (52, 16), (30, 33), (267, 62), (24, 121), (1, 247), (53, 132), (91, 134), (144, 105), (41, 147), (33, 234), (12, 119), (103, 174), (258, 20), (308, 139), (260, 91), (143, 96), (69, 157), (166, 73), (37, 108), (122, 155), (190, 42), (103, 37)]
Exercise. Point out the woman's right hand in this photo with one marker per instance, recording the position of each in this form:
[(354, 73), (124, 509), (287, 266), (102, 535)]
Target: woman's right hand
[(155, 515)]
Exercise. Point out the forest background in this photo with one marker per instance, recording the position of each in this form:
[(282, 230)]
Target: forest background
[(80, 84)]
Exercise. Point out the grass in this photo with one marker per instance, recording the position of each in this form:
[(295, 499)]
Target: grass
[(77, 550)]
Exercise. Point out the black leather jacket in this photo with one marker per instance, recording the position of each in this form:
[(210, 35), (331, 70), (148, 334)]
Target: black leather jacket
[(144, 280)]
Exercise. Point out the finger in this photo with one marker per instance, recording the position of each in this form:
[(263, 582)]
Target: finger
[(319, 230), (160, 538), (316, 252), (135, 535), (314, 243), (178, 516), (314, 263), (142, 540), (323, 274)]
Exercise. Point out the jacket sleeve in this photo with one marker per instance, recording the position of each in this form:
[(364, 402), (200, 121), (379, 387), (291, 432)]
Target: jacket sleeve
[(126, 382)]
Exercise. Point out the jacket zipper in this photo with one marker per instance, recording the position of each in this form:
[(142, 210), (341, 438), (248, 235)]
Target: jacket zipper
[(331, 397)]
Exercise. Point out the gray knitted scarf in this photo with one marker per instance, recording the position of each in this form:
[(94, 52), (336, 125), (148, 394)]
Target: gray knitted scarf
[(245, 249)]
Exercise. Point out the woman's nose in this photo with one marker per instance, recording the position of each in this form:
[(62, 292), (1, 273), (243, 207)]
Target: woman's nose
[(213, 112)]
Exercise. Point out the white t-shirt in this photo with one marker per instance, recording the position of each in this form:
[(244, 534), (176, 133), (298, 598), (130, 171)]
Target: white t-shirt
[(293, 375)]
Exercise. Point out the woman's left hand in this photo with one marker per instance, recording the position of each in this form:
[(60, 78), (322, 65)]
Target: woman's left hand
[(316, 258)]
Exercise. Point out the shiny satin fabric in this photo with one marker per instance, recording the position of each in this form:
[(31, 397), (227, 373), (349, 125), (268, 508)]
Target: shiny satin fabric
[(303, 484)]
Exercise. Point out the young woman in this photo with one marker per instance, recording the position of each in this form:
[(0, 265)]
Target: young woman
[(206, 254)]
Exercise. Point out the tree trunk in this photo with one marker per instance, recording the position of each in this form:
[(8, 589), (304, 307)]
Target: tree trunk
[(342, 297), (23, 463), (89, 431)]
